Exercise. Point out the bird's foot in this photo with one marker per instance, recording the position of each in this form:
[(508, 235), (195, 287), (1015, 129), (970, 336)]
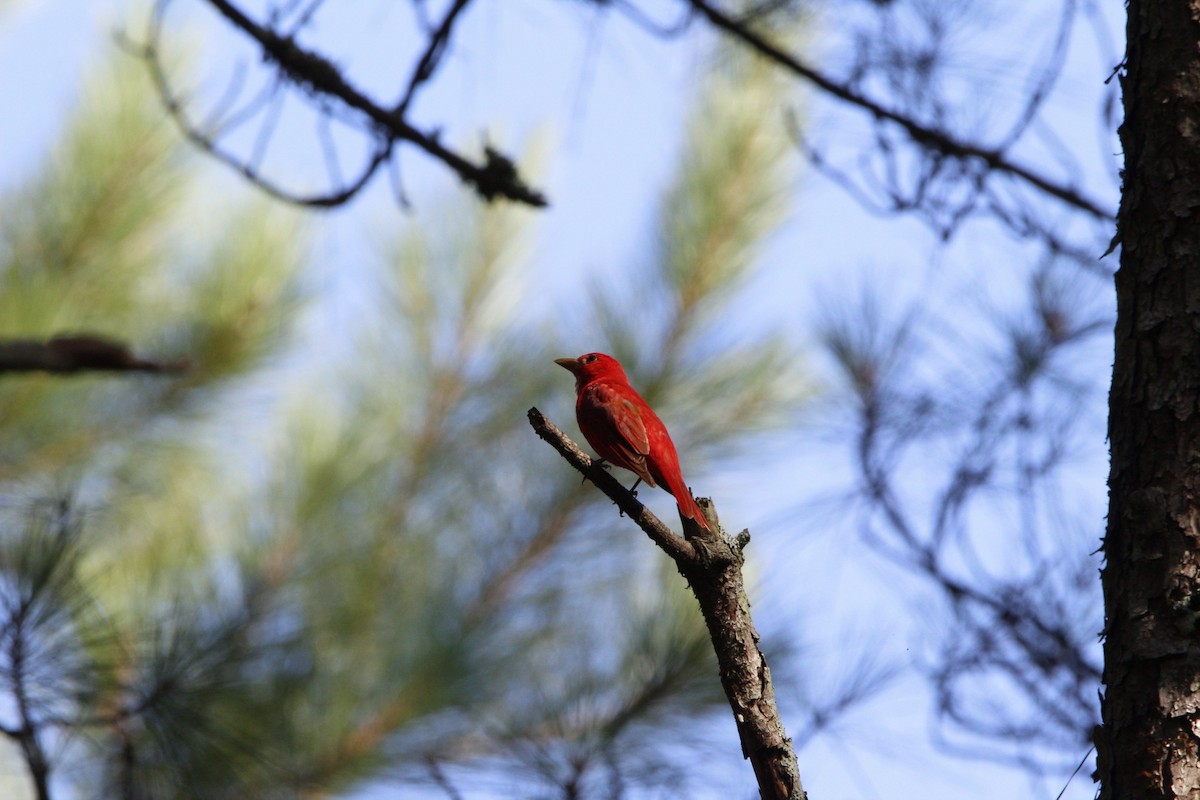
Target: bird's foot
[(596, 462)]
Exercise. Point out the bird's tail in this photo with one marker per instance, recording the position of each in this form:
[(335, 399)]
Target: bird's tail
[(688, 506)]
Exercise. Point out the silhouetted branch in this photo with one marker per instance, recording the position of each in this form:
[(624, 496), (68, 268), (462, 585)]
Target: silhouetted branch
[(36, 567), (712, 564), (77, 353), (1018, 630), (955, 171), (438, 41), (494, 177), (924, 136), (28, 735)]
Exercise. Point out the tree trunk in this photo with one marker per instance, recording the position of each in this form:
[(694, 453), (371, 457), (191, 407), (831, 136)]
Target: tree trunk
[(1149, 743)]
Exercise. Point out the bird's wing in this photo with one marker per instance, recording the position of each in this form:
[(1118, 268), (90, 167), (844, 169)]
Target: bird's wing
[(615, 416)]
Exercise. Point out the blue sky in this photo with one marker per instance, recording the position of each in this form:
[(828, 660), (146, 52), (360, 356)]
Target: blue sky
[(610, 101)]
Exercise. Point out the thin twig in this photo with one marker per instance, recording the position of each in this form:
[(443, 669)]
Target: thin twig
[(496, 176), (431, 58)]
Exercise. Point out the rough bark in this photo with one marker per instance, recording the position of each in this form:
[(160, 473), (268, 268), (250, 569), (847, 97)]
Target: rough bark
[(716, 581), (1149, 743), (712, 564)]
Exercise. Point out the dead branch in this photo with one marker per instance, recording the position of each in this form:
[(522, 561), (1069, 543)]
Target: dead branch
[(712, 564)]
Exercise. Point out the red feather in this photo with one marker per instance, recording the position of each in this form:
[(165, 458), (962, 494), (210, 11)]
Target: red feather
[(623, 428)]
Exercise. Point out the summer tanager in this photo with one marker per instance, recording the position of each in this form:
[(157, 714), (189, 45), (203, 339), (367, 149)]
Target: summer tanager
[(625, 431)]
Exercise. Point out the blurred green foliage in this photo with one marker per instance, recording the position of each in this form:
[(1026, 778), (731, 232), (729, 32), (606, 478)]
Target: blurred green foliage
[(378, 573)]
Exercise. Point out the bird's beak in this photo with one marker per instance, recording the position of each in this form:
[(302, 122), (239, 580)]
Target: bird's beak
[(569, 364)]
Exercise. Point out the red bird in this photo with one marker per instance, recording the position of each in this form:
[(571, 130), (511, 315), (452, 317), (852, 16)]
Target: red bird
[(625, 430)]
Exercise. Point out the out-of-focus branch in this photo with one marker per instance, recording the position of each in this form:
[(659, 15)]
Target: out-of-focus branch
[(494, 177), (712, 564), (951, 162), (78, 353), (32, 580), (922, 135), (28, 735), (438, 42), (1020, 628)]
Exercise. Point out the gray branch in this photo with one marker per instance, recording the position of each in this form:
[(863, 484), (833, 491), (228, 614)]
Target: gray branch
[(711, 562)]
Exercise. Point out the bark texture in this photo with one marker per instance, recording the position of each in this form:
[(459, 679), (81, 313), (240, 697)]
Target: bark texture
[(712, 564), (1149, 743), (716, 580)]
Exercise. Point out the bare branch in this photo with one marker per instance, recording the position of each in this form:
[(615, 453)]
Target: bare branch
[(1022, 630), (496, 176), (924, 136), (712, 564)]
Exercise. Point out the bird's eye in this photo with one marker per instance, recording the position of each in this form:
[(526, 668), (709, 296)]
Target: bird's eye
[(589, 359)]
